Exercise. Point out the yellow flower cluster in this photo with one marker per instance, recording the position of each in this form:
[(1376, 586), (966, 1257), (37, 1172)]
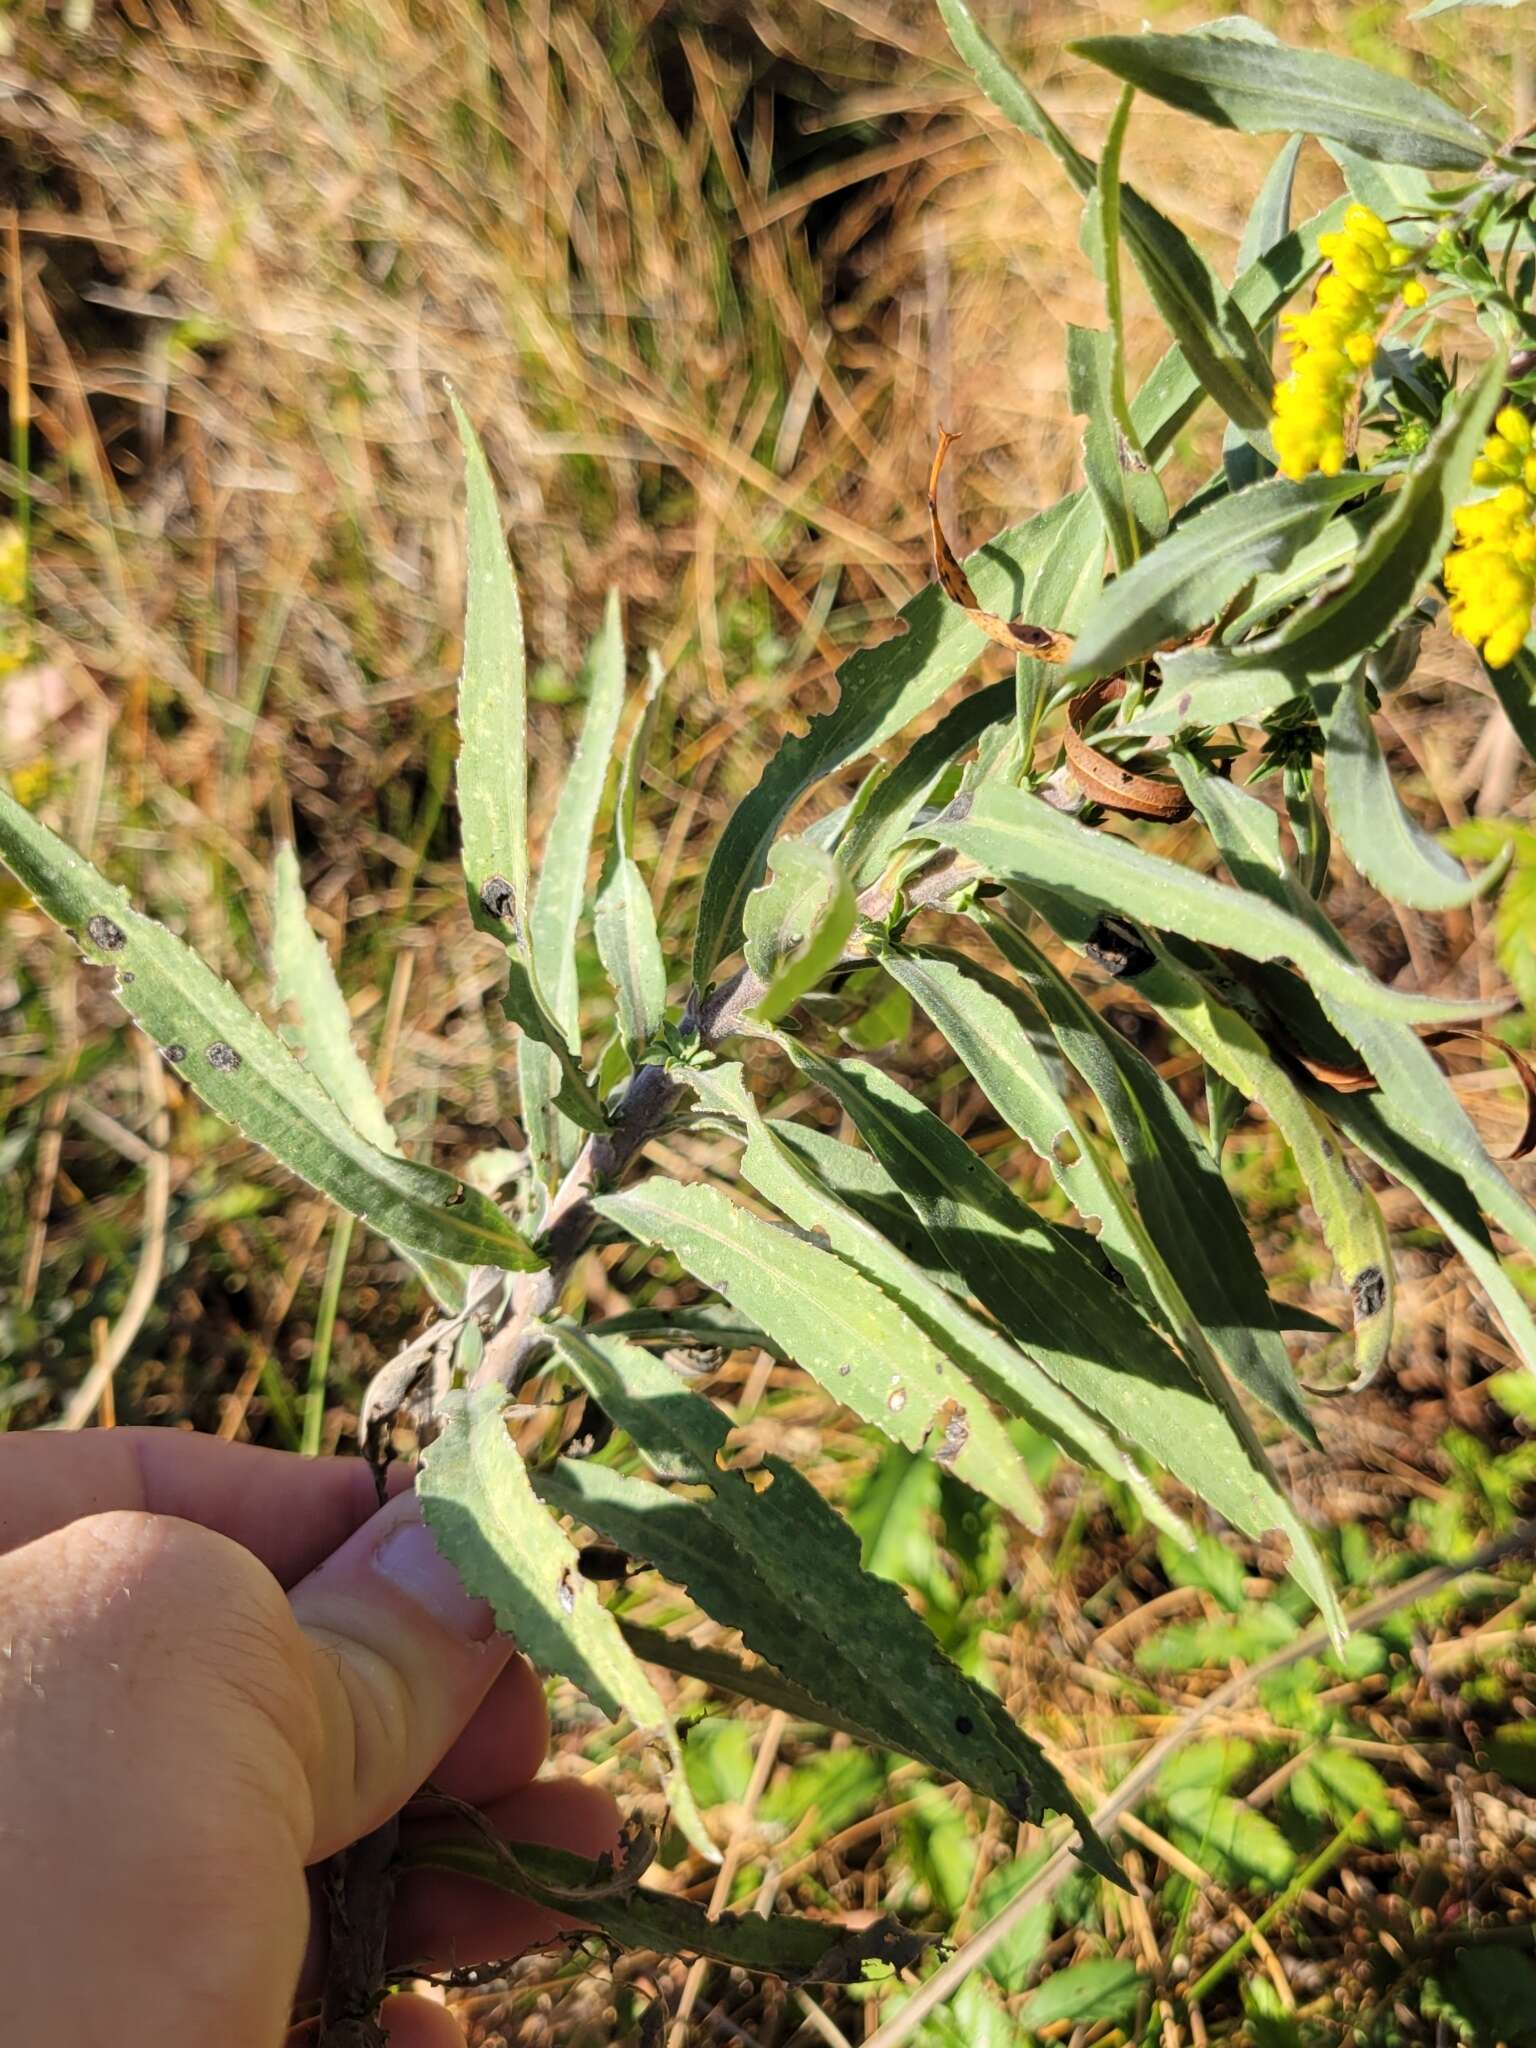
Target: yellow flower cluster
[(1490, 572), (1333, 343)]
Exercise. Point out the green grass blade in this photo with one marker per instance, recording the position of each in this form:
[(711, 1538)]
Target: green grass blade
[(1260, 86), (478, 1501), (305, 981), (241, 1068)]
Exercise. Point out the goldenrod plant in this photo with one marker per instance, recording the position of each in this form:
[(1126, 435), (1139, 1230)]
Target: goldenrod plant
[(1096, 822)]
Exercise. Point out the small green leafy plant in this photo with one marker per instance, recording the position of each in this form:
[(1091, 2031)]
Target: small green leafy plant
[(1283, 601)]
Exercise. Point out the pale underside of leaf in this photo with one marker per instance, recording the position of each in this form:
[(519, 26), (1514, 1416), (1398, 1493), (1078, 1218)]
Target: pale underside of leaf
[(478, 1501)]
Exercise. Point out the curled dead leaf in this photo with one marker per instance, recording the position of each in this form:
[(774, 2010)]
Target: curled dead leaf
[(1105, 781), (1015, 634)]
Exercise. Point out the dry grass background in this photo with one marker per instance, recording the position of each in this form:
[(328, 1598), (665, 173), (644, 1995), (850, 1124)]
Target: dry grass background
[(709, 275)]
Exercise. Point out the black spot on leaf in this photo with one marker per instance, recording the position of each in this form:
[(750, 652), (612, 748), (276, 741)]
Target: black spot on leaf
[(1117, 947), (174, 1053), (499, 897), (964, 1725), (602, 1561), (1368, 1292), (101, 931), (223, 1058)]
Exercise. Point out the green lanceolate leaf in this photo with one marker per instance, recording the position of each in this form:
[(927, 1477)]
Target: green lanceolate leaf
[(625, 919), (980, 1016), (1206, 321), (1405, 549), (1515, 688), (1008, 93), (1397, 192), (1268, 223), (575, 1096), (947, 1412), (305, 981), (1450, 6), (797, 925), (882, 821), (1375, 828), (1324, 640), (477, 1500), (1260, 87), (1068, 581), (1201, 566), (1129, 497), (813, 1610), (1211, 329), (1085, 1334), (638, 1919), (1374, 1124), (560, 894), (242, 1069), (1122, 482), (1348, 1212), (1015, 837), (848, 1334), (1317, 562), (707, 1326), (493, 711), (1173, 392), (867, 1223), (493, 774), (1179, 1190), (685, 1541), (882, 689), (1425, 1107)]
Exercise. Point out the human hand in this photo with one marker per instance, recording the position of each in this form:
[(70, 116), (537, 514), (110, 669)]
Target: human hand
[(218, 1665)]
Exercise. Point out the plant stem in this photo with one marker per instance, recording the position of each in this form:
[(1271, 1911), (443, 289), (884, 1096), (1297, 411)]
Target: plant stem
[(1303, 1881), (325, 1330)]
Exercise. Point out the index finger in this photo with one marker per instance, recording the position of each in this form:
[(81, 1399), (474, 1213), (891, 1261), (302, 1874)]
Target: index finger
[(289, 1511)]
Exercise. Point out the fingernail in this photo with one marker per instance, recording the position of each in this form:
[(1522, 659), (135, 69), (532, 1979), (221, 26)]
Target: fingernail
[(412, 1563)]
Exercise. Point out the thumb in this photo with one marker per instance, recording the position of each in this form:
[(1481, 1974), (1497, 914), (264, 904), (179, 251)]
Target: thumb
[(400, 1657)]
